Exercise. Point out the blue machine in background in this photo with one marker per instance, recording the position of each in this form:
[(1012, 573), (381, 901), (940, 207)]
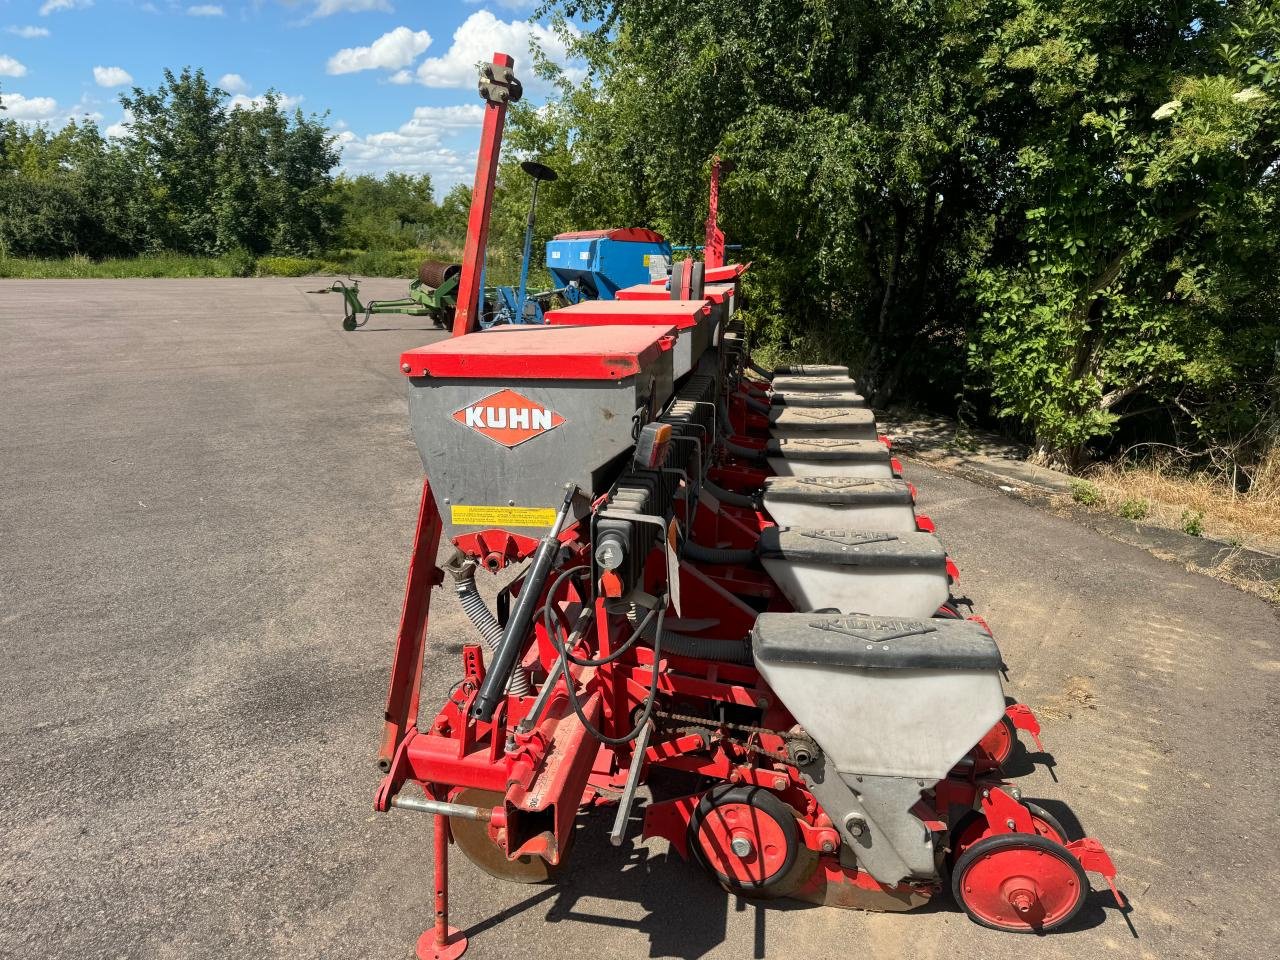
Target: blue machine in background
[(586, 265), (602, 262)]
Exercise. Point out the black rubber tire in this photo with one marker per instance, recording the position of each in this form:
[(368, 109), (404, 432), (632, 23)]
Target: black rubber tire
[(349, 322), (985, 846), (1035, 810), (768, 804)]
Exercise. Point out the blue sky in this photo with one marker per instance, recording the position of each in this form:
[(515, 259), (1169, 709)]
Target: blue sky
[(397, 76)]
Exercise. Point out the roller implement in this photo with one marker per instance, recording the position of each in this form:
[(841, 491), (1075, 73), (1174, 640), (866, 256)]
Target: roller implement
[(720, 576)]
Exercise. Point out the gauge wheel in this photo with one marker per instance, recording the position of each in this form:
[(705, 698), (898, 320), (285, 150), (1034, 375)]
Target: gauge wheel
[(996, 745), (745, 837), (973, 827), (1020, 883)]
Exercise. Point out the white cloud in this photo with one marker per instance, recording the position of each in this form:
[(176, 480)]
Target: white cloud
[(479, 36), (10, 67), (18, 107), (205, 10), (111, 77), (436, 140), (401, 77), (121, 127), (233, 83), (394, 49), (327, 8), (53, 6), (508, 4), (283, 101), (28, 33)]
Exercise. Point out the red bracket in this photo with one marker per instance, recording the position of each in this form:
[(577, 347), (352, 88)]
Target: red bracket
[(1094, 858), (1022, 718)]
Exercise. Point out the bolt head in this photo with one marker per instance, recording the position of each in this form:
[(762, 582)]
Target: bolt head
[(405, 367), (1010, 824), (780, 783), (828, 846), (740, 846)]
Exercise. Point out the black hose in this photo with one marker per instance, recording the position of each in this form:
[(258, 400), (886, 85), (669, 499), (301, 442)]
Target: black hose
[(759, 406), (744, 453), (706, 648), (696, 551), (731, 498), (759, 370)]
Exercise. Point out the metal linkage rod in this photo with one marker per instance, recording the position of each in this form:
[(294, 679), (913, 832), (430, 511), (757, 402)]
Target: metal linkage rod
[(493, 688)]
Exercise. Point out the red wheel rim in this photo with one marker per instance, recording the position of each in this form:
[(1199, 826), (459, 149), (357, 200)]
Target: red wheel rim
[(997, 745), (1021, 888), (742, 843)]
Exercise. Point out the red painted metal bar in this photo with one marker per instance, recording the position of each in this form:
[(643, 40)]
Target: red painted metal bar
[(406, 666), (441, 942), (713, 253), (466, 316)]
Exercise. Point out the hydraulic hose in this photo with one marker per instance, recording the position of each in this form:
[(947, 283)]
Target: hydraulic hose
[(759, 406), (507, 653), (486, 623), (695, 551), (759, 370)]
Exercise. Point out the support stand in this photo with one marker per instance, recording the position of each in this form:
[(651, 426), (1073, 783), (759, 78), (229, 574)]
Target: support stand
[(441, 942)]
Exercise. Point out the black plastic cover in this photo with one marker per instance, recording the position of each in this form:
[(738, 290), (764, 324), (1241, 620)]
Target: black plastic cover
[(873, 643), (819, 419), (838, 491), (853, 548), (828, 448)]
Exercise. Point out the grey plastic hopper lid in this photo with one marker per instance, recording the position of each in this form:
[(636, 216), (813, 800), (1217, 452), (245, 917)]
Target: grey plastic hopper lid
[(811, 370), (814, 384), (873, 643), (805, 398), (853, 548), (828, 448), (837, 491), (819, 419)]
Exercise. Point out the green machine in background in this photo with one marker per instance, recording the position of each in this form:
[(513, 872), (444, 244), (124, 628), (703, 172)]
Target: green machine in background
[(433, 294)]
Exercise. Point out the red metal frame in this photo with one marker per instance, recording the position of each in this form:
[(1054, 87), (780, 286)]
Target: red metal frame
[(466, 316), (713, 253)]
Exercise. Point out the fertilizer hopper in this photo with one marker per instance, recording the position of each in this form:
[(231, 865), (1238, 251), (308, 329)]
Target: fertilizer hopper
[(828, 457), (882, 574), (693, 320), (851, 503), (834, 423), (476, 402)]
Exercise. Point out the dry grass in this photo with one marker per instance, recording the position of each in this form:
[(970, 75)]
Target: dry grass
[(1179, 498)]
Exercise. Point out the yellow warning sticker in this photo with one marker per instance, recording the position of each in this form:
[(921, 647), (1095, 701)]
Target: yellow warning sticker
[(646, 259), (473, 516)]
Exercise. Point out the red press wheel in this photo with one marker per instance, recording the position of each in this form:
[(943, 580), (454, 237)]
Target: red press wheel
[(746, 836), (997, 744), (973, 827), (1020, 883)]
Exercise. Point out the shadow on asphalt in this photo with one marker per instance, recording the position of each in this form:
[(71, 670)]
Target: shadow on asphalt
[(685, 913)]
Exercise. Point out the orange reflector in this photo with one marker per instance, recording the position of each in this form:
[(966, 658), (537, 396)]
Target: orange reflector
[(611, 584)]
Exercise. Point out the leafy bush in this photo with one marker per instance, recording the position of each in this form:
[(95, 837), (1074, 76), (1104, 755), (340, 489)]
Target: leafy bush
[(1084, 492), (1193, 522), (1135, 509)]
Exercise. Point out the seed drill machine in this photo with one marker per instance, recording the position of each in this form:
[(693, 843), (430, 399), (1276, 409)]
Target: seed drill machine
[(720, 577)]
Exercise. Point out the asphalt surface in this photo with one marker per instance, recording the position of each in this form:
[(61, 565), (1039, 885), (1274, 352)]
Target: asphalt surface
[(207, 494)]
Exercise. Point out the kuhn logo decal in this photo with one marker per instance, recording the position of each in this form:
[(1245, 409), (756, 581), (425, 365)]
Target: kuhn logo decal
[(508, 418)]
